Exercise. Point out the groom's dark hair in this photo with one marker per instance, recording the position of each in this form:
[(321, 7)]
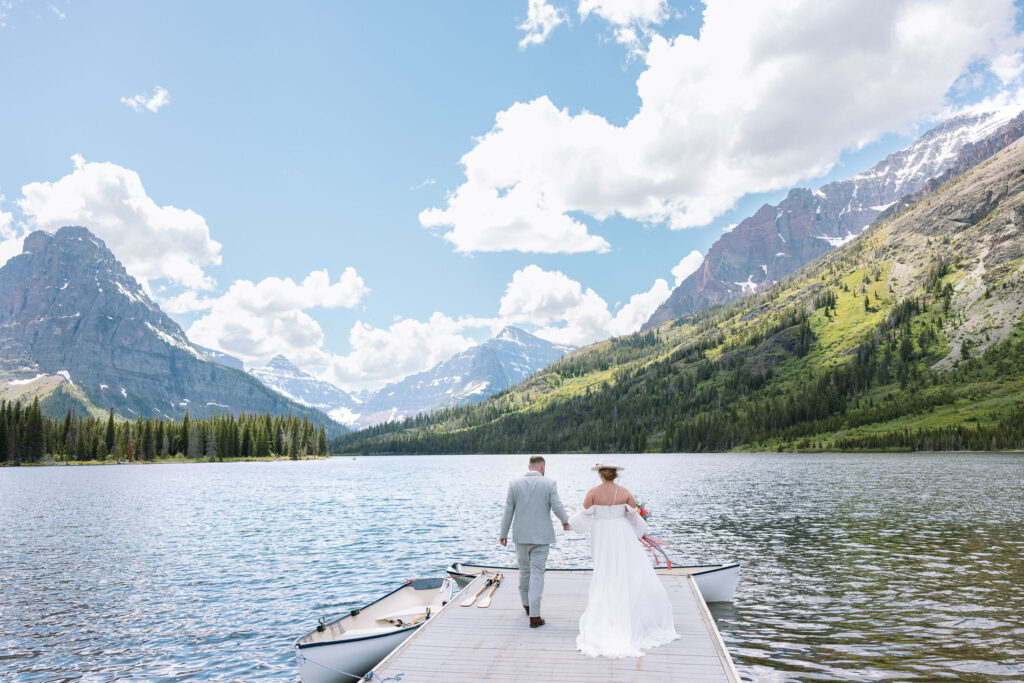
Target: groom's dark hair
[(536, 460)]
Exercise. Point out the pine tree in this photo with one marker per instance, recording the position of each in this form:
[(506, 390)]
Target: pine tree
[(5, 453), (246, 445), (34, 432), (211, 443), (321, 442), (109, 437), (194, 450), (262, 443), (183, 439)]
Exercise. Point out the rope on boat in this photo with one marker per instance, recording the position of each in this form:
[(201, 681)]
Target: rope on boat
[(368, 677)]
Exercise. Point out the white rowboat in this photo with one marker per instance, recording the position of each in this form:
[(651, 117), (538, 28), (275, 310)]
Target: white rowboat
[(717, 582), (345, 649)]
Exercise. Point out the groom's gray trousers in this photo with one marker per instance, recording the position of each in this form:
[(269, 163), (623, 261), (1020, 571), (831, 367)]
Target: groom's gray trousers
[(533, 557), (529, 503)]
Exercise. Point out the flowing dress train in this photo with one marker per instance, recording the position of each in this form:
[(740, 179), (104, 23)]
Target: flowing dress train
[(628, 609)]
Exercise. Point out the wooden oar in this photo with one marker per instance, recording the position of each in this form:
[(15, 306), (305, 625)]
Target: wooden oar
[(469, 602), (486, 602)]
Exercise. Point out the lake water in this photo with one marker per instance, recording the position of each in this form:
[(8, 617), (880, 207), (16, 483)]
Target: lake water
[(855, 567)]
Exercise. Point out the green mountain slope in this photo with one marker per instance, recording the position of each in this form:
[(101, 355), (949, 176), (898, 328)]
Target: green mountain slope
[(910, 336)]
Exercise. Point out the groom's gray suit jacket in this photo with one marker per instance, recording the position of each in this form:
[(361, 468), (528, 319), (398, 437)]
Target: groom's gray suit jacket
[(530, 501)]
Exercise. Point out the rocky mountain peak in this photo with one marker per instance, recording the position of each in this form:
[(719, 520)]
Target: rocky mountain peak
[(281, 363), (510, 333), (478, 372), (69, 309), (778, 239)]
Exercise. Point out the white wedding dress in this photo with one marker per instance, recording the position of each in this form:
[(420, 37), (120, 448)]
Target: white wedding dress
[(628, 609)]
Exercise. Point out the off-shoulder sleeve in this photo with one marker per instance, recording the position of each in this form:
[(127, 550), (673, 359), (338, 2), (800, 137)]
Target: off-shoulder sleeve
[(582, 521), (636, 521)]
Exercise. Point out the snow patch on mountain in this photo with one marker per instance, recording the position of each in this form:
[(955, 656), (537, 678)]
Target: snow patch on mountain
[(836, 241), (287, 379)]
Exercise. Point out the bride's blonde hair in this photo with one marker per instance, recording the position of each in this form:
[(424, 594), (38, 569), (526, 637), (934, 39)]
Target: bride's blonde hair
[(608, 473)]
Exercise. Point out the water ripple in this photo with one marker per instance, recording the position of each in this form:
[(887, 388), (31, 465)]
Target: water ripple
[(855, 567)]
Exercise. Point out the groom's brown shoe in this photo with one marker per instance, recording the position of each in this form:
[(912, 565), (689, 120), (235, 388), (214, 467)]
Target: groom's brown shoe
[(527, 608), (535, 622)]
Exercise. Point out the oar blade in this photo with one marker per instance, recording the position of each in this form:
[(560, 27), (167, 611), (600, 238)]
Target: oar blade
[(486, 602)]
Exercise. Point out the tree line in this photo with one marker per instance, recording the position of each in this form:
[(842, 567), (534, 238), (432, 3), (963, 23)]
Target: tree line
[(28, 436)]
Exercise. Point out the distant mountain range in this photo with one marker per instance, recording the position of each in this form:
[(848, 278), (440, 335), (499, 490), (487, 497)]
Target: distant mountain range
[(779, 239), (467, 377), (470, 376), (78, 332)]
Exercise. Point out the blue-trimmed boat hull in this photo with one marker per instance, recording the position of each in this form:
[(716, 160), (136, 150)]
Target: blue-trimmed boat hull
[(717, 582), (348, 647)]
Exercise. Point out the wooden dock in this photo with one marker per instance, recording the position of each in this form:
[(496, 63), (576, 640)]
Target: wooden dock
[(497, 644)]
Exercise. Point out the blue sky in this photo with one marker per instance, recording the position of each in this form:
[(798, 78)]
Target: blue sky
[(280, 141)]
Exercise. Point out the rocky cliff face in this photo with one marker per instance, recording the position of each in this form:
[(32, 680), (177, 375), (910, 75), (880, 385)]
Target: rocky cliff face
[(473, 375), (286, 378), (225, 359), (69, 310), (779, 239)]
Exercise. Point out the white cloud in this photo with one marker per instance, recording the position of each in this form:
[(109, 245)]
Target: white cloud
[(506, 201), (541, 19), (539, 296), (568, 314), (256, 321), (1008, 67), (425, 183), (631, 20), (639, 309), (152, 241), (379, 356), (768, 95), (143, 102), (626, 12), (689, 264), (10, 238)]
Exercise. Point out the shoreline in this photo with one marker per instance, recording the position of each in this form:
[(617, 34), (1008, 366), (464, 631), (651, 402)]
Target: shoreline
[(161, 461)]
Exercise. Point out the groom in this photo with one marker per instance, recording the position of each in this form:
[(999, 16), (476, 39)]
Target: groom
[(530, 500)]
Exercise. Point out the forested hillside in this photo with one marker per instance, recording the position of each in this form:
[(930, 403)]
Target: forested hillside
[(910, 336)]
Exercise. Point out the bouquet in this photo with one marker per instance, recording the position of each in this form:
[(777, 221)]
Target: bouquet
[(653, 544)]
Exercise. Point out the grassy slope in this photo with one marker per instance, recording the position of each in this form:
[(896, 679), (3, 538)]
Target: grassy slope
[(746, 356), (56, 396)]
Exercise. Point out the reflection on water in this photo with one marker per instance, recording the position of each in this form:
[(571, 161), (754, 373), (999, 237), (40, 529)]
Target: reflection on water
[(855, 567)]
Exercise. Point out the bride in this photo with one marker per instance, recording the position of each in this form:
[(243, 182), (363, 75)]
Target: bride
[(627, 607)]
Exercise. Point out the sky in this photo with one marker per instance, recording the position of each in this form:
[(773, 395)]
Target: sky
[(370, 188)]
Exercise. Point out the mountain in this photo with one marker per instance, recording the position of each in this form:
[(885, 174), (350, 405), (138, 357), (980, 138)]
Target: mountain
[(79, 332), (910, 336), (779, 239), (468, 377), (286, 378), (225, 359)]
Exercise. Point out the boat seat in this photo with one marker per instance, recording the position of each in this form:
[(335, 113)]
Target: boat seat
[(407, 615), (360, 632)]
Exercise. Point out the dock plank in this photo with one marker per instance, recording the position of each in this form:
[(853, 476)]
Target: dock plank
[(497, 644)]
